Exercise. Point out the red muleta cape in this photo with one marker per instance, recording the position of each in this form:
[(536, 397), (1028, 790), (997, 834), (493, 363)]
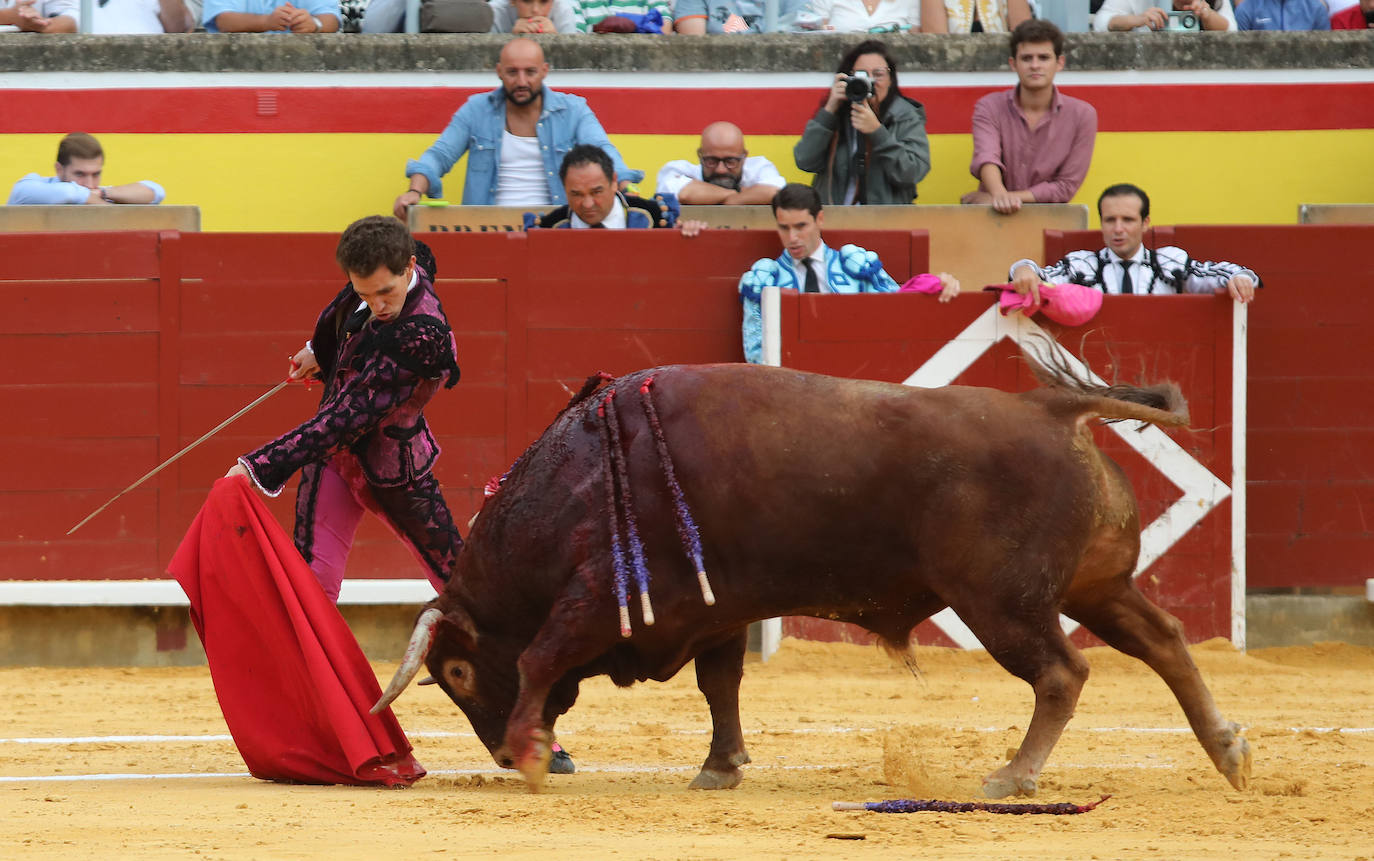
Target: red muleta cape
[(292, 682)]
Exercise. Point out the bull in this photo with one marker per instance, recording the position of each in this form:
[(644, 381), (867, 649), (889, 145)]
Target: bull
[(727, 494)]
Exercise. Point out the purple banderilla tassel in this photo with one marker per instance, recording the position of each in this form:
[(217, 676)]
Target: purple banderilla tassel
[(617, 547), (622, 473), (687, 531), (915, 805)]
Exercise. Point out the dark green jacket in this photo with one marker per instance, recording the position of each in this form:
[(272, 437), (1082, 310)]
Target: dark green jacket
[(900, 155)]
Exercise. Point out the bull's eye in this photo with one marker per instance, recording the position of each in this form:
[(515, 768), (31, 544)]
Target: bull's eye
[(459, 676)]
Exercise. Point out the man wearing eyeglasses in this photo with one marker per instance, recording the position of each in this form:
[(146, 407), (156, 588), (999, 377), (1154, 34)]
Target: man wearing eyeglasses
[(726, 173)]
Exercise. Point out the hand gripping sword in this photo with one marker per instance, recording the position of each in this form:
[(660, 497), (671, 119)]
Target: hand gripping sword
[(174, 458)]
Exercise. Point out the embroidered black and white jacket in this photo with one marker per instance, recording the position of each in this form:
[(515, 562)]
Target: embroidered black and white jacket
[(1168, 269)]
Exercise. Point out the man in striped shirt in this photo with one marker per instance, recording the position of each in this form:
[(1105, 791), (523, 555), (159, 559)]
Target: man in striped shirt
[(593, 11), (1127, 266)]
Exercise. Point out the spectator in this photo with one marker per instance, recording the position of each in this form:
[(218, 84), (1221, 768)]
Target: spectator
[(1121, 15), (589, 183), (142, 16), (1125, 265), (809, 265), (973, 16), (537, 16), (871, 151), (860, 16), (697, 17), (725, 173), (1283, 15), (1031, 144), (436, 16), (80, 163), (515, 137), (40, 16), (1357, 17), (595, 11), (265, 16)]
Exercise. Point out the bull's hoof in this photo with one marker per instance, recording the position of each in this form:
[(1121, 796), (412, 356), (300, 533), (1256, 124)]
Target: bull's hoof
[(534, 764), (1234, 759), (997, 785), (711, 778)]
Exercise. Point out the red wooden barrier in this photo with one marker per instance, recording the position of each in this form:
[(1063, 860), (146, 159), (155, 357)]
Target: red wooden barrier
[(1186, 338), (123, 348), (1310, 484)]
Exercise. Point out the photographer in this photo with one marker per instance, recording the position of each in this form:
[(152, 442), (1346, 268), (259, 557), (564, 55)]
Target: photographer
[(1124, 15), (867, 143)]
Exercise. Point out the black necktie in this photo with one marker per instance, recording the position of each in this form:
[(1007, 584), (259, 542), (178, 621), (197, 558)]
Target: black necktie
[(1126, 277), (813, 283), (356, 320)]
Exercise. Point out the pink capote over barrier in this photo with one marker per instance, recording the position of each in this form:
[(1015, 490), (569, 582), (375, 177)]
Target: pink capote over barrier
[(294, 686)]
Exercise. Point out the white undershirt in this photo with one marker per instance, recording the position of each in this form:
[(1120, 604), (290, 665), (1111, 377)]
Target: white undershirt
[(520, 175), (614, 220)]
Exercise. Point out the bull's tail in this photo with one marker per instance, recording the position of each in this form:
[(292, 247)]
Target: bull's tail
[(1158, 404)]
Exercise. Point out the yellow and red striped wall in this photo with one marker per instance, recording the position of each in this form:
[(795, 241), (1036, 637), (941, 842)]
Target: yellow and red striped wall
[(311, 152)]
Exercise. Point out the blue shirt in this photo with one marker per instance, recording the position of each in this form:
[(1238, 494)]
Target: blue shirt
[(213, 8), (476, 128), (35, 190), (749, 12), (1283, 15)]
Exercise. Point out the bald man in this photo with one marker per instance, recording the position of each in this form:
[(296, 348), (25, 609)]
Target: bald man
[(515, 137), (725, 173)]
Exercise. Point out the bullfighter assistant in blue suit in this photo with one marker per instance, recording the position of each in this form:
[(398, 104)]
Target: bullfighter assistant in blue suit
[(809, 265)]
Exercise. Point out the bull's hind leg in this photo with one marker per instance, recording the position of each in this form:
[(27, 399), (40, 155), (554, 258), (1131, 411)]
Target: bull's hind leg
[(1037, 651), (1127, 621), (719, 671)]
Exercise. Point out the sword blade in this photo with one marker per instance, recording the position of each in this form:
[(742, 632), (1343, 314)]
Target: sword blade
[(174, 458)]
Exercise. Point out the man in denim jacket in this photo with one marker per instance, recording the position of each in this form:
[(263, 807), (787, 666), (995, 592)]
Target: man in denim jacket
[(515, 138)]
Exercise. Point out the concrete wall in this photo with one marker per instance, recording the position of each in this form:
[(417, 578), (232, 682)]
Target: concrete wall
[(771, 53)]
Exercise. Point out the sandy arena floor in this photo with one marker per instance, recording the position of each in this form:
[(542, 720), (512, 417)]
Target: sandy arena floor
[(824, 723)]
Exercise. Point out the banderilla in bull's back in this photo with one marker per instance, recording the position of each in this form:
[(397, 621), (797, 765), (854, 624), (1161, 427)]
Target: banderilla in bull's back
[(801, 494)]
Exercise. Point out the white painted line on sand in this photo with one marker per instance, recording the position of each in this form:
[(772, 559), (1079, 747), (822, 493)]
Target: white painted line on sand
[(833, 730), (581, 769)]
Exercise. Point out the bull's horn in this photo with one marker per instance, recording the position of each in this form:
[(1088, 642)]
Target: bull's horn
[(420, 640)]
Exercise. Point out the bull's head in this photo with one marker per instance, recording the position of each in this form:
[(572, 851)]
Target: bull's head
[(483, 683)]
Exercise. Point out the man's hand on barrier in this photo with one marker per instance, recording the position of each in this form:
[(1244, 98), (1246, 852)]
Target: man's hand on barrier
[(691, 227), (280, 17), (949, 286), (1241, 288), (1006, 202), (302, 21), (1027, 280)]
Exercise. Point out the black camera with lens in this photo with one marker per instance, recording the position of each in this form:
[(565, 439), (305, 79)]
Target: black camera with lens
[(858, 87)]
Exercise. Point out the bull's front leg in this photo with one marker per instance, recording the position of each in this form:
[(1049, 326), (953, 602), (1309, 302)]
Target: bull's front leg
[(563, 642), (719, 671)]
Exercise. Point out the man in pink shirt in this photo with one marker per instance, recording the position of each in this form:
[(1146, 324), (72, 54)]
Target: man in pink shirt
[(1031, 144)]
